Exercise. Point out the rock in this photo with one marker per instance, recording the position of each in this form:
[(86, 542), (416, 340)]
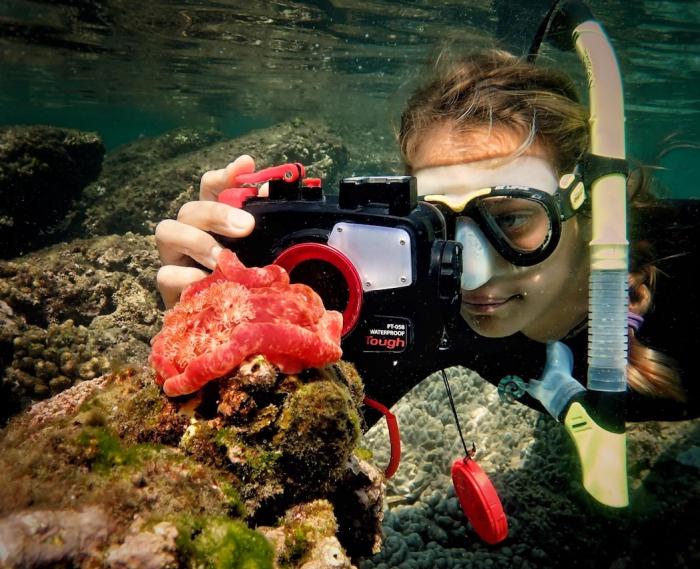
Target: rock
[(52, 538), (176, 483), (43, 170), (307, 538), (146, 550), (72, 312), (329, 554), (148, 180)]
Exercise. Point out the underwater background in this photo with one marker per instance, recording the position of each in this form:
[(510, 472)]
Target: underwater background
[(111, 110), (127, 68)]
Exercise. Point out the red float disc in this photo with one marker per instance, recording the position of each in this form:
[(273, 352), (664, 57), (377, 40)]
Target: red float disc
[(479, 500)]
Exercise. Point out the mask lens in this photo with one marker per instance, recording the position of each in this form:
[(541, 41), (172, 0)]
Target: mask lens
[(524, 224)]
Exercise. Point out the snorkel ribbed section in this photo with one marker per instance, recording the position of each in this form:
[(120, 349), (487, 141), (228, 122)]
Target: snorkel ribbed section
[(607, 356), (607, 350)]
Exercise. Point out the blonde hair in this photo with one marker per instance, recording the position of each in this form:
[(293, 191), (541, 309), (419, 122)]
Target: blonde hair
[(497, 92)]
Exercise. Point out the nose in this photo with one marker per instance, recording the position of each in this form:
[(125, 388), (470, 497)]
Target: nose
[(478, 253), (480, 261)]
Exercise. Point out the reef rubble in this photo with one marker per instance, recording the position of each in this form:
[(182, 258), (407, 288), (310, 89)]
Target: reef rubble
[(111, 473)]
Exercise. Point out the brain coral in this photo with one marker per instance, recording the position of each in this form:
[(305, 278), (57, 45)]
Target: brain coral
[(236, 312)]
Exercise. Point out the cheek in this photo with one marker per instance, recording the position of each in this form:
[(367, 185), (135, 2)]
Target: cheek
[(539, 282), (565, 267)]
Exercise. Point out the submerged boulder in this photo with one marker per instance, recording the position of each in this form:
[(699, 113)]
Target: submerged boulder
[(43, 170), (148, 180)]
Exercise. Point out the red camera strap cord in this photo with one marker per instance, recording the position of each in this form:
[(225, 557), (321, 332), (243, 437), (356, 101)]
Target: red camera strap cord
[(394, 437), (477, 496)]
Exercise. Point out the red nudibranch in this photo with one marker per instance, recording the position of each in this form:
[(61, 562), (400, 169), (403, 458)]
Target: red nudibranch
[(237, 312)]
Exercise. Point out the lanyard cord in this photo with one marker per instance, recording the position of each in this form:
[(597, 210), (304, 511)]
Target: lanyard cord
[(467, 453)]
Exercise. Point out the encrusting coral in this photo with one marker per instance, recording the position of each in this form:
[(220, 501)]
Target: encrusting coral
[(254, 469), (236, 312)]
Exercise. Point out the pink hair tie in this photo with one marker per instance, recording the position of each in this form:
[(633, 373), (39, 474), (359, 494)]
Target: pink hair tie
[(634, 321)]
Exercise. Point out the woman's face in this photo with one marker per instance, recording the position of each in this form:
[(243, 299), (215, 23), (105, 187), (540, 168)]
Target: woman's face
[(544, 301)]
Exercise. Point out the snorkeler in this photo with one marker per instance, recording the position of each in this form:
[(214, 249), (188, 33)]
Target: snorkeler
[(491, 120)]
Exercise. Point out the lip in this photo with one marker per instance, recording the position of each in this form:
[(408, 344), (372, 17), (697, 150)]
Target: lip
[(484, 305)]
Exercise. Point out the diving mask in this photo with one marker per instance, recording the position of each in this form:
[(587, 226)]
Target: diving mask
[(514, 211)]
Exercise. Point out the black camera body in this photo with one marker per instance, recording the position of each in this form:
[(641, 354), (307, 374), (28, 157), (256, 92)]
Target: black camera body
[(375, 253)]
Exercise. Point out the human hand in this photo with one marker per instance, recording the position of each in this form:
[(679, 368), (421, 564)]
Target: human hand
[(185, 242)]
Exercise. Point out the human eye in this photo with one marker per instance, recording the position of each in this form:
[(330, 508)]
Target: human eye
[(513, 221), (524, 223)]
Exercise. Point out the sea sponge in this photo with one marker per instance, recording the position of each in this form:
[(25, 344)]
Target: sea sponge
[(237, 312)]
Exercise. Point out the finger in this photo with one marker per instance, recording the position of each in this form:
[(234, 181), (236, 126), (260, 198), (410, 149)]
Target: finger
[(172, 280), (217, 217), (264, 190), (179, 244), (216, 181)]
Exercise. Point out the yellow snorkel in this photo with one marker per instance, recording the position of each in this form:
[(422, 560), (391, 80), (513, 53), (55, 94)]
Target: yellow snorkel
[(596, 419)]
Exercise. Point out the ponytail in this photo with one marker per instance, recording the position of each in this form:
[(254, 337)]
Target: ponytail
[(649, 372)]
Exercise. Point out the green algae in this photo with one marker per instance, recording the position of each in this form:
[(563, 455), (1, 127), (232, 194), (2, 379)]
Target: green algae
[(305, 527), (217, 542), (257, 459), (104, 450), (319, 425), (364, 454), (296, 545)]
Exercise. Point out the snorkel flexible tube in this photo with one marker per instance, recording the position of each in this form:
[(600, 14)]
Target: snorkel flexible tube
[(609, 247), (596, 421), (608, 297)]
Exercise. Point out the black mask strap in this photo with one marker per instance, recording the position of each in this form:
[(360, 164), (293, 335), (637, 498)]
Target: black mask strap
[(541, 32), (594, 166)]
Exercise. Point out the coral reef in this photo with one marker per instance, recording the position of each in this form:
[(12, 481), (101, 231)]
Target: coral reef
[(43, 170), (149, 180), (72, 312), (282, 443), (101, 290), (129, 478), (107, 472), (553, 521)]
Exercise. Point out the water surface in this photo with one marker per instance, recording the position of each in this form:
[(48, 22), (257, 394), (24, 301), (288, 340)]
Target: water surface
[(128, 68)]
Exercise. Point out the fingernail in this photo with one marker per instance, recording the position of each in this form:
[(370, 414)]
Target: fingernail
[(215, 252)]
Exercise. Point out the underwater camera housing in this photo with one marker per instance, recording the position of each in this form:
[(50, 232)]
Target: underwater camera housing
[(373, 252)]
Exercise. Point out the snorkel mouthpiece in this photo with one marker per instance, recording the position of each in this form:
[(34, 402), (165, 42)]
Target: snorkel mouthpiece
[(556, 388)]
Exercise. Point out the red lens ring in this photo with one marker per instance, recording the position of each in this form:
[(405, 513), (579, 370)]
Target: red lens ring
[(296, 254)]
